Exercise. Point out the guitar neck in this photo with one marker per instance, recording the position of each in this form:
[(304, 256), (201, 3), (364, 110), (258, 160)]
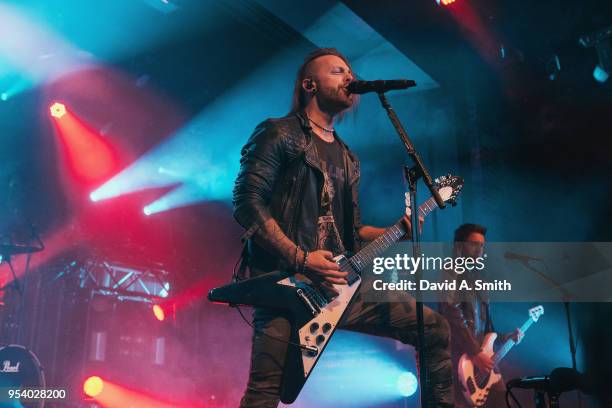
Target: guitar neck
[(391, 235), (427, 207), (501, 353)]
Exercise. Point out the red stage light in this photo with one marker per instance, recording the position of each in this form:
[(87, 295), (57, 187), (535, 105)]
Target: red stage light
[(58, 110), (90, 155), (159, 313), (93, 386), (445, 2)]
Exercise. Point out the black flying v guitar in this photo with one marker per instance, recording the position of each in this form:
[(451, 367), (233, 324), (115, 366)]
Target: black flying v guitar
[(314, 312)]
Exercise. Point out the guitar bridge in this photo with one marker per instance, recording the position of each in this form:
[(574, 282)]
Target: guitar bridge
[(314, 309)]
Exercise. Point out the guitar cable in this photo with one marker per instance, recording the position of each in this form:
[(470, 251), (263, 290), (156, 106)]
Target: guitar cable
[(509, 392)]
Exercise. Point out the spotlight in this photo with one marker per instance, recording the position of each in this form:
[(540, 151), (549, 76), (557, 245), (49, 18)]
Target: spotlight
[(93, 386), (159, 313), (407, 384), (600, 74), (147, 211), (444, 2), (57, 110), (601, 41), (4, 96)]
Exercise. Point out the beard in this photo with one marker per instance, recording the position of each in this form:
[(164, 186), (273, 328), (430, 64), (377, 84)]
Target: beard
[(335, 100)]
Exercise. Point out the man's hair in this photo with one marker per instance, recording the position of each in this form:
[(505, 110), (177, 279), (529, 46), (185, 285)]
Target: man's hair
[(298, 102), (465, 230)]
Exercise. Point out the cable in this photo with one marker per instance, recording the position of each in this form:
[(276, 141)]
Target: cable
[(509, 391)]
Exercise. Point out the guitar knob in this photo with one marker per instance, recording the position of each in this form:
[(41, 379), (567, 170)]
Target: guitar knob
[(326, 327), (314, 327), (320, 339)]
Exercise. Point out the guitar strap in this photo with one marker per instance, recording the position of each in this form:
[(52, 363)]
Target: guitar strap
[(240, 273)]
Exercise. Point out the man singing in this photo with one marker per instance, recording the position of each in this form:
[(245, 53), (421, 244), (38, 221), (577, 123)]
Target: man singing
[(297, 197)]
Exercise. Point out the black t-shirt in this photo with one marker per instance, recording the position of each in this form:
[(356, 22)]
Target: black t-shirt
[(332, 161)]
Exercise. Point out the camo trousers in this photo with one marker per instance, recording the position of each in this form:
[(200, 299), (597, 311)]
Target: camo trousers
[(395, 319)]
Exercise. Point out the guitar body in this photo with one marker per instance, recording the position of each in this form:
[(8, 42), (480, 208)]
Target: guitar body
[(474, 388), (314, 315), (476, 385)]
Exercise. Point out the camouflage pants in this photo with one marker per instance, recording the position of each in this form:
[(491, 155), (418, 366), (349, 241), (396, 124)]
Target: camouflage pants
[(395, 320)]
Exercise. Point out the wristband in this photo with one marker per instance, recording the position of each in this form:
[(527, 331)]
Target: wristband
[(304, 264)]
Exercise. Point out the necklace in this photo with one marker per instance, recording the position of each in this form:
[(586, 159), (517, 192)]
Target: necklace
[(321, 127)]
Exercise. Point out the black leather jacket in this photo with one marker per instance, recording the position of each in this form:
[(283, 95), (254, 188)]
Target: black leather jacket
[(469, 320), (281, 177)]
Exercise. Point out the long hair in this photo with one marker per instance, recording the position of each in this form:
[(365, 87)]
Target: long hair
[(298, 101)]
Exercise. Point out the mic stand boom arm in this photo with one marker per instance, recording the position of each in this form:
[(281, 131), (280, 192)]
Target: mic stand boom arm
[(412, 175)]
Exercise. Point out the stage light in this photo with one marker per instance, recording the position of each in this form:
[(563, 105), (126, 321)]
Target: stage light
[(147, 210), (600, 74), (159, 313), (4, 96), (93, 386), (407, 384), (58, 110), (601, 41), (89, 156), (444, 2)]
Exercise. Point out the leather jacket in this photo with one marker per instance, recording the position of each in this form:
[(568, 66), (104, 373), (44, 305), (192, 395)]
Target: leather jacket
[(469, 320), (281, 177)]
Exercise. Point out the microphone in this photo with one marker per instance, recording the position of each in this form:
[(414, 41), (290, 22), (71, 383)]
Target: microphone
[(541, 382), (564, 379), (379, 86), (560, 380), (520, 257)]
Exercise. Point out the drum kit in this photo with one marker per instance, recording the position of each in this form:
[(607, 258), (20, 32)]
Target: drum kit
[(19, 367)]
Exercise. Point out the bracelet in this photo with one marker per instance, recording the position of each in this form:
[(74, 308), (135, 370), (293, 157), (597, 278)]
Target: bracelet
[(295, 257), (304, 264)]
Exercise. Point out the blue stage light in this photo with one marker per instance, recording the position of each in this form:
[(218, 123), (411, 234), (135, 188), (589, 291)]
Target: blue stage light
[(407, 384), (600, 74), (359, 371)]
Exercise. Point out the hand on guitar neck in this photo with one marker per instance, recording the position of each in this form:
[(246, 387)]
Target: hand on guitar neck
[(407, 220), (517, 335)]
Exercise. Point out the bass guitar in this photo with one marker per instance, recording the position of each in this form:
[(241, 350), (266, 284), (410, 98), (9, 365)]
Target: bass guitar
[(476, 384)]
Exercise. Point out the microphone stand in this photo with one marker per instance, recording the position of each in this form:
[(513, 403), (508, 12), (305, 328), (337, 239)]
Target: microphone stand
[(412, 175), (566, 298)]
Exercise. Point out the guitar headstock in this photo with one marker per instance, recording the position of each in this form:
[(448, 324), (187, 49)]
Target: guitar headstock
[(536, 312), (449, 187)]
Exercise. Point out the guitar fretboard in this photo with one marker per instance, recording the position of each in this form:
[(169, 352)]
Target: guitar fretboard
[(427, 207), (501, 353), (375, 248)]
